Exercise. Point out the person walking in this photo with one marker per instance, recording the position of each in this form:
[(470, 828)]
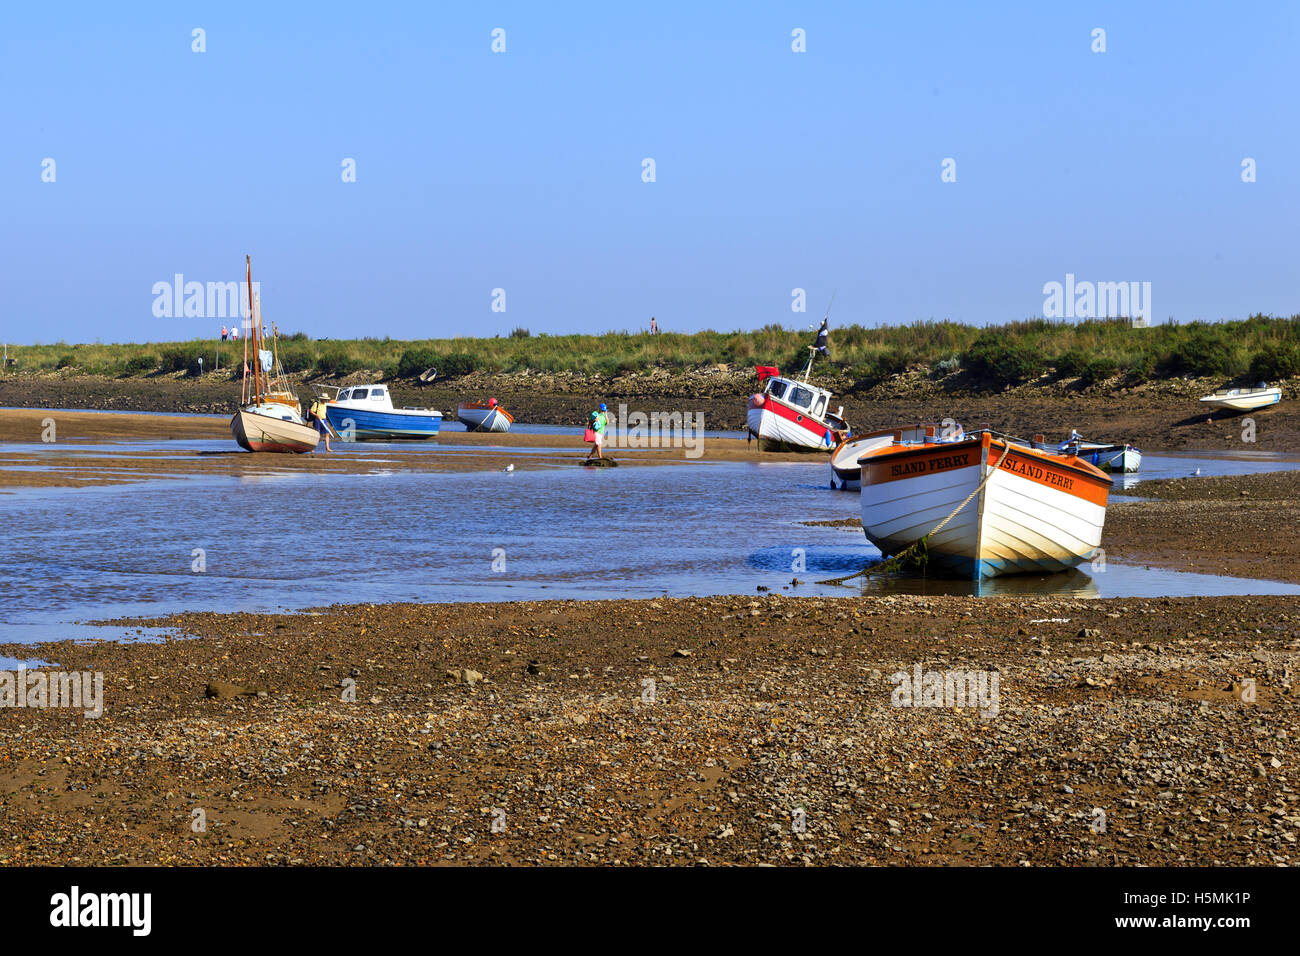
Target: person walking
[(225, 332), (654, 326), (316, 417), (597, 423)]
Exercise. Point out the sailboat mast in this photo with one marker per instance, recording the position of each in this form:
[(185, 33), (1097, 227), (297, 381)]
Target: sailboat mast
[(252, 321)]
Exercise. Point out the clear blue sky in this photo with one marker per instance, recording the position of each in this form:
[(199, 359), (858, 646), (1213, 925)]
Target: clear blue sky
[(522, 170)]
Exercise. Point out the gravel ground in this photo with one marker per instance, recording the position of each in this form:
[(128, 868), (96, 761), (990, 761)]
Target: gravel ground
[(770, 736), (1238, 526)]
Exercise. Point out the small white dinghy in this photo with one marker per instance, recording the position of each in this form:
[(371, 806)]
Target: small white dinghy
[(1244, 399), (846, 473)]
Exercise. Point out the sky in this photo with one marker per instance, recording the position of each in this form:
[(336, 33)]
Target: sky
[(524, 170)]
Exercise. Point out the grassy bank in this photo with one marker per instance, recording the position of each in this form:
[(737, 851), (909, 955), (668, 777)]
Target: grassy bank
[(1261, 347)]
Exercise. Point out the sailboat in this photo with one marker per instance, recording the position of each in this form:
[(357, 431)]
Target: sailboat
[(269, 416)]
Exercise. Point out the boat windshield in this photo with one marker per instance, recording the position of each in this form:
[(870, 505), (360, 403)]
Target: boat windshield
[(359, 392), (800, 397), (776, 388)]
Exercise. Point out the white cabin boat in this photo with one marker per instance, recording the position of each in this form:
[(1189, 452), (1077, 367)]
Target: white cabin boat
[(1017, 509), (1244, 399), (793, 415)]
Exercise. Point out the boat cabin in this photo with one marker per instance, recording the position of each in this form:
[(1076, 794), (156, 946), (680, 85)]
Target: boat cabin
[(805, 398), (366, 396)]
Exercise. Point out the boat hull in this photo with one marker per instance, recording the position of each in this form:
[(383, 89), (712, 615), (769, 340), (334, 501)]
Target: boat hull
[(1036, 513), (1247, 402), (257, 432), (779, 428), (484, 419), (363, 424), (1115, 458), (1126, 460)]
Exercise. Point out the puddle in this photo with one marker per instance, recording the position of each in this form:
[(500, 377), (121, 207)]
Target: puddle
[(40, 632), (14, 663)]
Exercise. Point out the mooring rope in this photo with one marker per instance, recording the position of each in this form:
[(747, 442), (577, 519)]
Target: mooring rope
[(920, 543)]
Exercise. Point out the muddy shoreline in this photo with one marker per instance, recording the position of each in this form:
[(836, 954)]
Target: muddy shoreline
[(1160, 416), (68, 456)]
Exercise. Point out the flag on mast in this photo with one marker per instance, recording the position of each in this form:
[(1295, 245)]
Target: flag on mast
[(823, 336)]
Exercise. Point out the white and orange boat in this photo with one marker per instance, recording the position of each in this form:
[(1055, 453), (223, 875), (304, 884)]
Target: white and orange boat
[(1018, 508), (269, 417)]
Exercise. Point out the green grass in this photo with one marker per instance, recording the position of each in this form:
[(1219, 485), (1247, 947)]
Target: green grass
[(1094, 351)]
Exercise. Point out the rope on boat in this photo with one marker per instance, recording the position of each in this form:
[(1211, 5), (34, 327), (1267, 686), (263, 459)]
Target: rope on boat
[(899, 559)]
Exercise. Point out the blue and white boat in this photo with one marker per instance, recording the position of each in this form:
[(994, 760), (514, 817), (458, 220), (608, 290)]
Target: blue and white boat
[(1105, 455), (366, 413)]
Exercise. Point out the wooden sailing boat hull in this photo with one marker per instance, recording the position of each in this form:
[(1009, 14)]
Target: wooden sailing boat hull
[(1038, 512), (255, 432)]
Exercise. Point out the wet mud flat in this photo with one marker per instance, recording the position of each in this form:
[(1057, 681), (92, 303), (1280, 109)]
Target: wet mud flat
[(45, 464), (1240, 526), (1162, 414), (701, 731)]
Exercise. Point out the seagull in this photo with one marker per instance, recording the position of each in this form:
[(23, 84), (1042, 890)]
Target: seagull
[(510, 467), (1196, 473)]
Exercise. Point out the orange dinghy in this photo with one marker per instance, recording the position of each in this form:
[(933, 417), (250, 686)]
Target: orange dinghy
[(986, 504)]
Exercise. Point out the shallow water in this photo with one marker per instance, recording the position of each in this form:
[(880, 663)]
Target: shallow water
[(13, 663), (1210, 465), (289, 541)]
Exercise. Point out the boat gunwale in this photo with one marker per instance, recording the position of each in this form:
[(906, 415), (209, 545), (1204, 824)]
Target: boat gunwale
[(1071, 463)]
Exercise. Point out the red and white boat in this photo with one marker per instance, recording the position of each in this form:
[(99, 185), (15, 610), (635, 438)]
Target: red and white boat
[(789, 414), (1029, 509)]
